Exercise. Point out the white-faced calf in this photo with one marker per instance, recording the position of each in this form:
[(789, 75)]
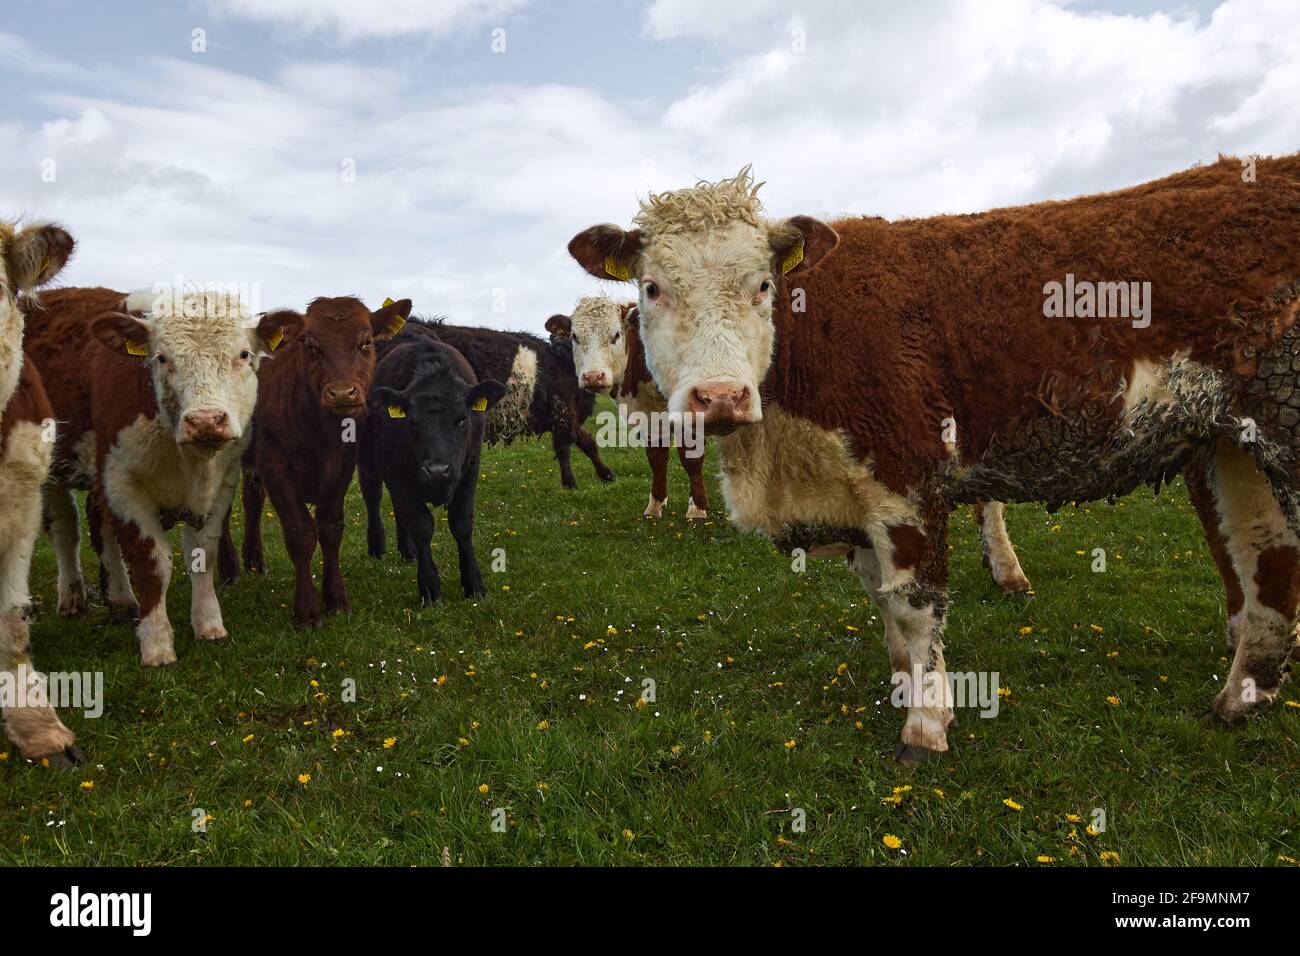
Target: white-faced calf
[(157, 389)]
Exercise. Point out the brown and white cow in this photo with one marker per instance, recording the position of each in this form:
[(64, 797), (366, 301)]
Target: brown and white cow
[(157, 389), (608, 358), (29, 257), (859, 396)]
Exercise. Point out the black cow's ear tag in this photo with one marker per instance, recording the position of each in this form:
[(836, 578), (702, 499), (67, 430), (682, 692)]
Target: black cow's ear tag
[(396, 411)]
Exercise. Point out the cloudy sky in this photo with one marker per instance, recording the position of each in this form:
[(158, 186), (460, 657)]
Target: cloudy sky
[(446, 150)]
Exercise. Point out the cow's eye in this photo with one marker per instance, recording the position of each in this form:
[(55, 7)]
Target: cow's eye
[(651, 291), (367, 346), (245, 355), (766, 286), (460, 423), (162, 359), (573, 339), (616, 337)]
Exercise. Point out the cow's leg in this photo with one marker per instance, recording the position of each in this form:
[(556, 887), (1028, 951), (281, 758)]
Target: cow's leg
[(999, 556), (658, 456), (114, 582), (300, 539), (1265, 555), (148, 556), (906, 573), (254, 505), (372, 493), (65, 533), (227, 556), (693, 465), (199, 548), (413, 514), (30, 722), (587, 445), (1197, 476), (562, 443), (329, 525), (460, 516)]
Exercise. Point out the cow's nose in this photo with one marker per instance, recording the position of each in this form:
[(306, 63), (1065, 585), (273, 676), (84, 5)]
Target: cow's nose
[(723, 403), (206, 425), (437, 469), (342, 393), (595, 380)]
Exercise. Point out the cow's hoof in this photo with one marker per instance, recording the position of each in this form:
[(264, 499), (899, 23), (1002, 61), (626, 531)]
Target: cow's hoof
[(158, 657), (123, 613), (67, 758), (210, 632), (696, 514), (606, 475), (255, 566), (1017, 584), (73, 603), (914, 754)]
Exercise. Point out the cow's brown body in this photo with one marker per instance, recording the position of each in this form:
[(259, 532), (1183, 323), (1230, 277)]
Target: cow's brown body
[(923, 371), (311, 403)]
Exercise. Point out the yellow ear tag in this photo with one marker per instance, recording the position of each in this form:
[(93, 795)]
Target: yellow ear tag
[(793, 259), (387, 303), (136, 348), (396, 411), (395, 326), (616, 270), (480, 404), (274, 342)]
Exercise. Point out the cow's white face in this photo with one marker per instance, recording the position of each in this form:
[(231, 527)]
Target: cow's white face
[(203, 351), (599, 343), (707, 264)]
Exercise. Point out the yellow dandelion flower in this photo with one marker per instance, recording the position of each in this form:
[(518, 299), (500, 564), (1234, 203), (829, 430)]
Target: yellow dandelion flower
[(338, 732), (304, 778), (87, 785), (248, 738), (1026, 630), (1044, 858), (1008, 802), (483, 788), (390, 743), (791, 744), (543, 725), (1073, 818), (1110, 858), (463, 741), (1096, 628), (891, 841), (1113, 700), (628, 835)]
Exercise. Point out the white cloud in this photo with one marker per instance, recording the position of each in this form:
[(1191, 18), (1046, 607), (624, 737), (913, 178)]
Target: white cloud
[(356, 19), (466, 193)]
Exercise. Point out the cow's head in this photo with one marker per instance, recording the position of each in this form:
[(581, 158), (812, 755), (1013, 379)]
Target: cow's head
[(434, 412), (707, 263), (30, 257), (597, 331), (338, 343), (202, 349)]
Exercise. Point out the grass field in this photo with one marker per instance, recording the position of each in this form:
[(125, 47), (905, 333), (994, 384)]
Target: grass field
[(771, 696)]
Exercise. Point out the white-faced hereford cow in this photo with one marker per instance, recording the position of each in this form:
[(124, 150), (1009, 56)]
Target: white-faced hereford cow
[(834, 389), (608, 357), (29, 257), (157, 390)]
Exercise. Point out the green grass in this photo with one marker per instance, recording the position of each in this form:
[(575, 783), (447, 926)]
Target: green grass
[(745, 655)]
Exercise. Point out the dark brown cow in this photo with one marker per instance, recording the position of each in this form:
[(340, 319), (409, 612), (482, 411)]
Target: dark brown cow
[(311, 402), (157, 390), (1060, 352)]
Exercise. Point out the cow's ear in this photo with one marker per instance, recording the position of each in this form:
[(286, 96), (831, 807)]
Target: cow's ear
[(559, 326), (387, 401), (35, 255), (388, 320), (799, 243), (274, 327), (607, 252), (123, 334), (631, 317), (484, 395)]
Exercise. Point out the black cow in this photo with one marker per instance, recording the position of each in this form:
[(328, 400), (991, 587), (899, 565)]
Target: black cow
[(542, 391), (422, 439)]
